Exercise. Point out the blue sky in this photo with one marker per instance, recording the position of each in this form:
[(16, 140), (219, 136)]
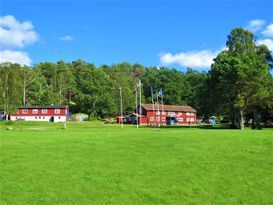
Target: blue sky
[(176, 34)]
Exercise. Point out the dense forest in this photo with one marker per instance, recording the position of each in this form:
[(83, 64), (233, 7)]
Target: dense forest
[(238, 85)]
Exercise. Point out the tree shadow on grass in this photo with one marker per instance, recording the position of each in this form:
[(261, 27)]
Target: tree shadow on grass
[(203, 126)]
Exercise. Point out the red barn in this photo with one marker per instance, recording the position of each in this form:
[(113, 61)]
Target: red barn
[(166, 114), (41, 113)]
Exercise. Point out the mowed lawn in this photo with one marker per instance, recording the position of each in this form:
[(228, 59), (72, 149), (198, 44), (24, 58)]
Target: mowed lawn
[(104, 164)]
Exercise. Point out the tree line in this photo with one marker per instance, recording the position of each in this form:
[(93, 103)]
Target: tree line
[(238, 84)]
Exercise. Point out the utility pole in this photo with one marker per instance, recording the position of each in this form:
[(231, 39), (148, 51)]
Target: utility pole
[(24, 96), (162, 107), (140, 108), (121, 112)]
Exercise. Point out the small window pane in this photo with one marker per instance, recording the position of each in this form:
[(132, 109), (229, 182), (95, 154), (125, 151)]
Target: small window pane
[(35, 111), (57, 111)]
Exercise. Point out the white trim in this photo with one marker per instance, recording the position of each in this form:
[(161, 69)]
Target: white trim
[(39, 118)]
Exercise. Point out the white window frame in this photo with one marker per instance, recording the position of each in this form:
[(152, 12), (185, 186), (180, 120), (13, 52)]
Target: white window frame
[(163, 119), (192, 119), (157, 112), (35, 111), (179, 113), (188, 119), (171, 113), (157, 119), (57, 111), (163, 113), (188, 114), (152, 119), (44, 111), (24, 111)]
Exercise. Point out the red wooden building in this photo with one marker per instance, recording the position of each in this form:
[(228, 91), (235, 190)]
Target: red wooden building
[(41, 113), (149, 114)]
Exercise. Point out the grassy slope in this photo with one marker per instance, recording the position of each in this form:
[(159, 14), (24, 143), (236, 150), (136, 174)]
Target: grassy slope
[(109, 165)]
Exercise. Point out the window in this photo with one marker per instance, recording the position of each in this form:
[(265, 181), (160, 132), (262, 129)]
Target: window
[(44, 111), (16, 118), (179, 113), (57, 111), (158, 112), (188, 114), (171, 113), (39, 117), (43, 117), (35, 117), (151, 118), (180, 119), (192, 114), (163, 119), (35, 111), (188, 119), (163, 113), (192, 119), (157, 119), (25, 111), (59, 117)]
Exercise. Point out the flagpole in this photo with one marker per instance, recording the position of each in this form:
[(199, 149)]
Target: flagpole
[(152, 92), (140, 108), (136, 108), (121, 112)]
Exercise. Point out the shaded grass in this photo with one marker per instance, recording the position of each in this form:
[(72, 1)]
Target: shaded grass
[(98, 164)]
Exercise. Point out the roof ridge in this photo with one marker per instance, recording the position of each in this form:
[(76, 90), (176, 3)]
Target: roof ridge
[(178, 108)]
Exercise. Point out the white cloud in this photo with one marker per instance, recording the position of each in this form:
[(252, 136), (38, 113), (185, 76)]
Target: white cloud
[(255, 25), (14, 57), (15, 34), (268, 42), (193, 59), (268, 31), (66, 38)]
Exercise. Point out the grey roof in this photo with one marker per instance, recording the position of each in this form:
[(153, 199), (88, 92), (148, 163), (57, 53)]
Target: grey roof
[(173, 108)]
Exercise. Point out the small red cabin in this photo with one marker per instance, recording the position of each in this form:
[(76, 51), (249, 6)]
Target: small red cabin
[(155, 114), (50, 113)]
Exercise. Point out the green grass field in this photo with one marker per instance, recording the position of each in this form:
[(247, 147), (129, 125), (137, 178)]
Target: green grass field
[(104, 164)]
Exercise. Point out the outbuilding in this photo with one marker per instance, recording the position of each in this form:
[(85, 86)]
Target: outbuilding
[(51, 113)]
